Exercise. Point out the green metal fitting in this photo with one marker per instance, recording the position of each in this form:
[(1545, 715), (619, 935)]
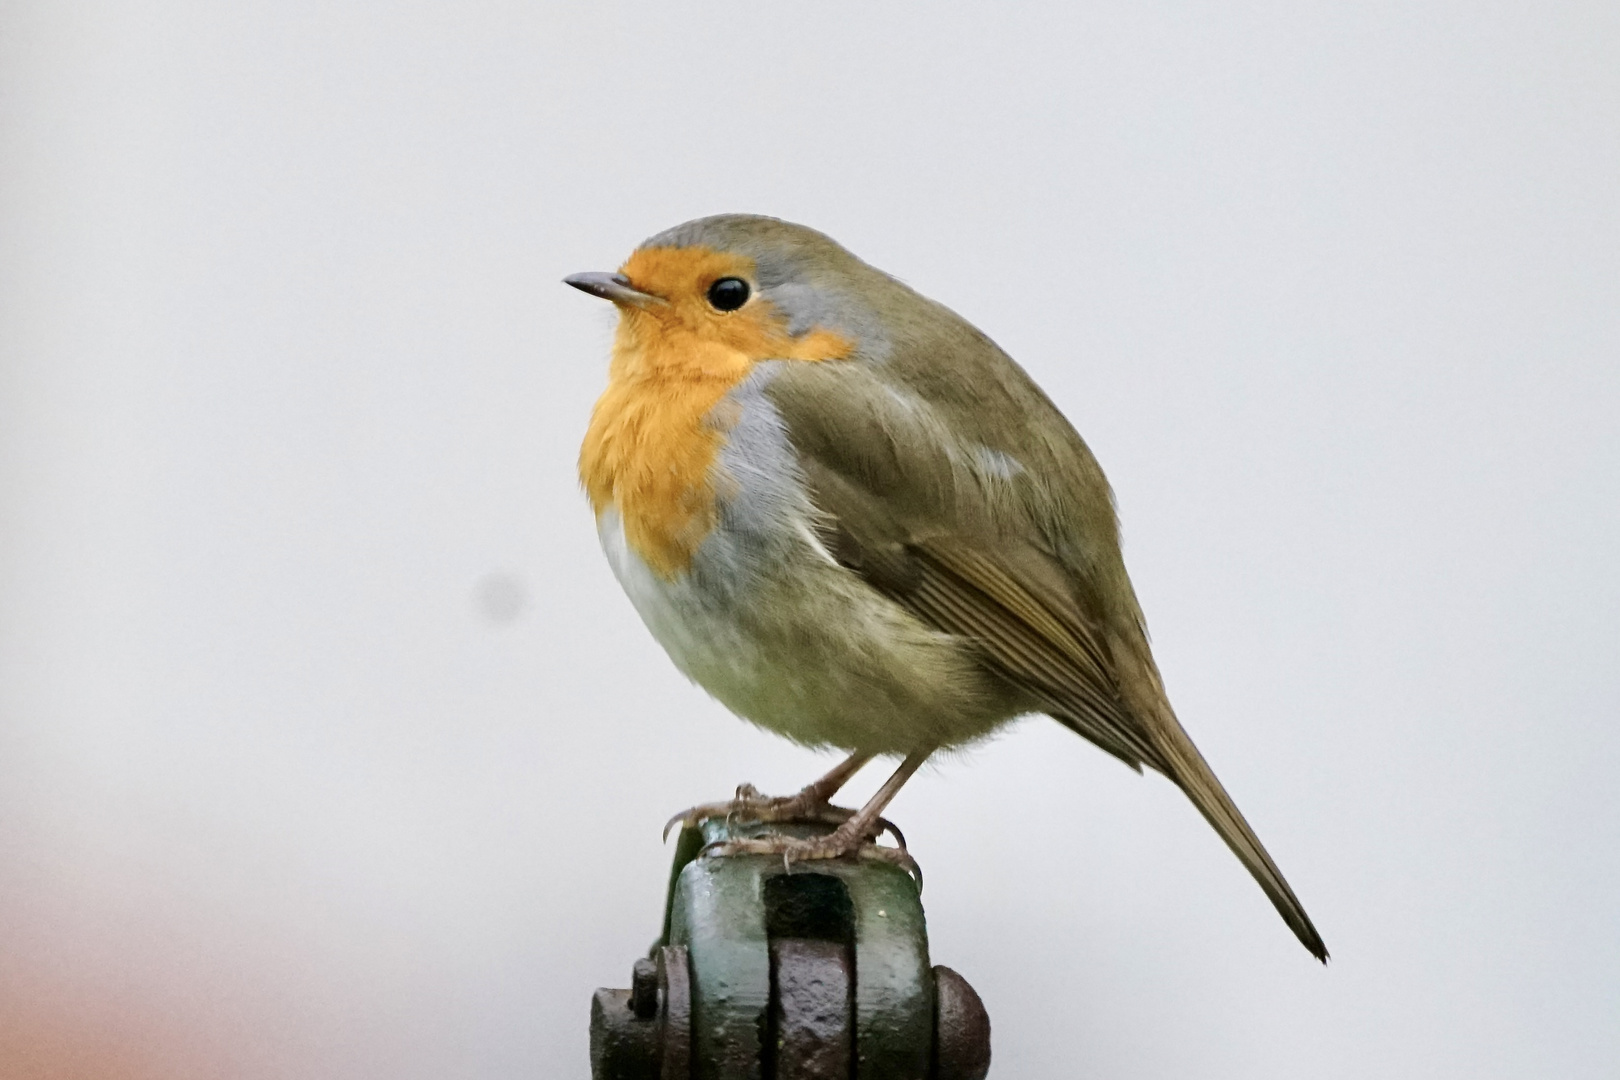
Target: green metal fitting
[(803, 972)]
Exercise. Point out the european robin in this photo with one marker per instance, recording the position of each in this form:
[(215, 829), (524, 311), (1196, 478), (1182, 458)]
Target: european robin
[(854, 520)]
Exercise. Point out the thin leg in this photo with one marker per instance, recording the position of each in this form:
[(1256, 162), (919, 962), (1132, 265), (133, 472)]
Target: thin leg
[(854, 836), (811, 804), (865, 821), (824, 789)]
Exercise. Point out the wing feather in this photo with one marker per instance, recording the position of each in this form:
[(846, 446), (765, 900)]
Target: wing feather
[(1026, 569), (973, 596)]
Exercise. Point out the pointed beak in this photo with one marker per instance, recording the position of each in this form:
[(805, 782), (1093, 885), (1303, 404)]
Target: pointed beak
[(614, 287)]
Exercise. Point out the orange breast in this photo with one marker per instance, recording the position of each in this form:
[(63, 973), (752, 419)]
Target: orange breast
[(653, 440), (648, 454)]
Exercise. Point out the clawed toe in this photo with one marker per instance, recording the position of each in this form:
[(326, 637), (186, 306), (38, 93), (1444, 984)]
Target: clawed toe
[(751, 806), (895, 857), (835, 845), (692, 816)]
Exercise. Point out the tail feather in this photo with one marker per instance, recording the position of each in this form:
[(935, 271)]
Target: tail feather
[(1187, 767)]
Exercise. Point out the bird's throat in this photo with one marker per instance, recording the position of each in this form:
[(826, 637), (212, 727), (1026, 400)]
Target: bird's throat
[(651, 444)]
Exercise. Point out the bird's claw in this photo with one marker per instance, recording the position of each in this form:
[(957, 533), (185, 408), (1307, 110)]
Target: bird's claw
[(835, 845), (749, 805)]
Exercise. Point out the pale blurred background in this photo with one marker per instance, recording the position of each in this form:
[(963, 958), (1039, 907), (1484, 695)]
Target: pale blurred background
[(329, 748)]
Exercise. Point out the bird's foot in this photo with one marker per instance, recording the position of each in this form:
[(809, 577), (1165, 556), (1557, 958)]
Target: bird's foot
[(805, 808), (844, 841)]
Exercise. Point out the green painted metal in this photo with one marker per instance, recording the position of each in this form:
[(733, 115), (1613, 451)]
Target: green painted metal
[(718, 909), (894, 984), (717, 913)]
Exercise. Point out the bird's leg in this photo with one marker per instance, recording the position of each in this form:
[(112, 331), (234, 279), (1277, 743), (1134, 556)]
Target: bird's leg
[(824, 789), (812, 804), (855, 835)]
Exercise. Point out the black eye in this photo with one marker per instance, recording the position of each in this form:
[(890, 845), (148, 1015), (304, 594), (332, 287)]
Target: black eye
[(728, 294)]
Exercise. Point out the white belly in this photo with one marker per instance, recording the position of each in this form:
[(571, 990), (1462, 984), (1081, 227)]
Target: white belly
[(802, 647)]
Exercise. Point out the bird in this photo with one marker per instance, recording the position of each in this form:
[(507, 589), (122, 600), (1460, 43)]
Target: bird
[(855, 521)]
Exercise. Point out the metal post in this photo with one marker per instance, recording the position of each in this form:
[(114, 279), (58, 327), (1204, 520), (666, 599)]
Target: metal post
[(810, 972)]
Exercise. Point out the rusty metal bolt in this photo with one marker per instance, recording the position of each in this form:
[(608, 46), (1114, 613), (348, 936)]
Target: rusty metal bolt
[(674, 1013), (961, 1029), (645, 1033), (644, 989), (622, 1047)]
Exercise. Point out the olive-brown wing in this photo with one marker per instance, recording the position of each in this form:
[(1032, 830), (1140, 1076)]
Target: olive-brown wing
[(1003, 595)]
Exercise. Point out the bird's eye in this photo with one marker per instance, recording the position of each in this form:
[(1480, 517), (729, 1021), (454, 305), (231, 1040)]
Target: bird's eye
[(728, 294)]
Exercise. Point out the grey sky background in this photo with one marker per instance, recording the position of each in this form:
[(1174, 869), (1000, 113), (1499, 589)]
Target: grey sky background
[(330, 748)]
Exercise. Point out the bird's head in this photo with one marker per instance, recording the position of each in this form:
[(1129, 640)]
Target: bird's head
[(744, 285)]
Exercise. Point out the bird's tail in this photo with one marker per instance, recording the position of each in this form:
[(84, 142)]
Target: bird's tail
[(1186, 766)]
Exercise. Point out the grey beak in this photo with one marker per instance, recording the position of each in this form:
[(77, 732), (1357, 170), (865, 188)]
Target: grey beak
[(614, 287)]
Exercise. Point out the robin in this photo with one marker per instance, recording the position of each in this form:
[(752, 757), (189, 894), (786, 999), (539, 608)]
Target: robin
[(849, 516)]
